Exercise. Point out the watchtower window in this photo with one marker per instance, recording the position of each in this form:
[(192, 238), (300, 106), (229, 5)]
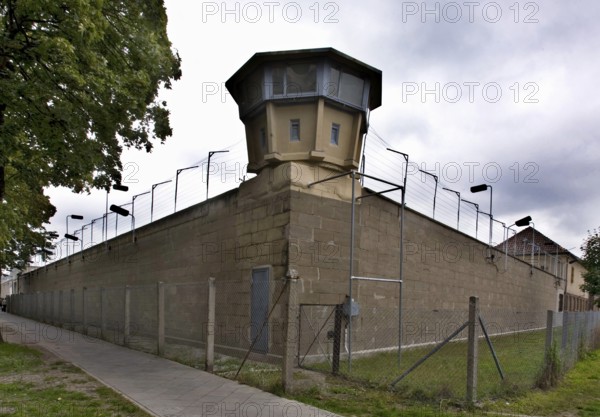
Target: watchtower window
[(347, 87), (294, 130), (335, 134), (294, 80)]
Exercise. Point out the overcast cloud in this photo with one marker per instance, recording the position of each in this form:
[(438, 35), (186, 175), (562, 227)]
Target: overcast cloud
[(542, 131)]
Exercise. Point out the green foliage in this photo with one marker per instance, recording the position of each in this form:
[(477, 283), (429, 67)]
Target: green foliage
[(552, 371), (79, 80), (591, 261)]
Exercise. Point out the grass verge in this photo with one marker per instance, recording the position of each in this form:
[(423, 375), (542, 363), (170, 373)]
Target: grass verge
[(35, 384), (578, 394)]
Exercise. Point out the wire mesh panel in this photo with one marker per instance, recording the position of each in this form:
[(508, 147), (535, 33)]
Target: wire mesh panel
[(514, 356), (318, 336), (578, 333)]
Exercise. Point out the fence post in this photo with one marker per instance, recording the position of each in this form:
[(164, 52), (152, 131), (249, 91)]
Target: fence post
[(210, 328), (83, 316), (161, 319), (127, 314), (549, 333), (472, 355), (290, 342), (337, 339), (565, 332)]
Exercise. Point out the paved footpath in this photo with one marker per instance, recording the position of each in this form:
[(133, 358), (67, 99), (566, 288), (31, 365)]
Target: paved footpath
[(159, 386)]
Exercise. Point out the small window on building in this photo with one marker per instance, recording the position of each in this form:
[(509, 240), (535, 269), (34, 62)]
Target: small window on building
[(294, 130), (572, 275), (335, 134), (560, 302), (262, 139)]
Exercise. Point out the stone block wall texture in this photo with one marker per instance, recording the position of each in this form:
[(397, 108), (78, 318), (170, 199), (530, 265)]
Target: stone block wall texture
[(285, 227), (442, 269)]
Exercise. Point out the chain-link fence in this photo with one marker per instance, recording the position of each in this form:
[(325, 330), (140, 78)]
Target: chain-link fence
[(512, 354), (174, 319)]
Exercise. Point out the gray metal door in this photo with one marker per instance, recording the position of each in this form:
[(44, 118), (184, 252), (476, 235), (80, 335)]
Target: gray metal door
[(259, 309)]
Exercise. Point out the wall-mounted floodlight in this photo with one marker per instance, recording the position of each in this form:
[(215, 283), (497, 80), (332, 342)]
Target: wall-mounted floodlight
[(124, 212), (210, 154), (69, 236), (478, 189), (119, 210), (117, 187), (117, 219), (523, 222), (519, 223), (120, 187)]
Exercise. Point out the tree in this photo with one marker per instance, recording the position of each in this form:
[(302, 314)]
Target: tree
[(79, 80), (591, 261)]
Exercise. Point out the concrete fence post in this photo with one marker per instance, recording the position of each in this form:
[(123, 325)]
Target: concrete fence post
[(290, 342), (473, 351), (127, 316), (161, 319), (83, 315), (565, 332), (210, 328), (103, 310), (549, 333)]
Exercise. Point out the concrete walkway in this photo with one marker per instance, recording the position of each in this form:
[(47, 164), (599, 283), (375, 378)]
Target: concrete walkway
[(159, 386)]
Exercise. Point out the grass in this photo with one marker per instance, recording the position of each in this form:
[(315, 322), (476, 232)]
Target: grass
[(34, 385), (260, 375), (443, 376), (578, 394)]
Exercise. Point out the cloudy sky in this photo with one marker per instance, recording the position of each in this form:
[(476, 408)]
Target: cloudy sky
[(504, 93)]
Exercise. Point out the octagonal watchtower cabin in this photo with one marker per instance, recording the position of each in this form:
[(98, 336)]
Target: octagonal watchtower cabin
[(307, 106)]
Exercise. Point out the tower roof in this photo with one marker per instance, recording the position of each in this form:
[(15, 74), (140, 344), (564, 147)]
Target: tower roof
[(372, 74)]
